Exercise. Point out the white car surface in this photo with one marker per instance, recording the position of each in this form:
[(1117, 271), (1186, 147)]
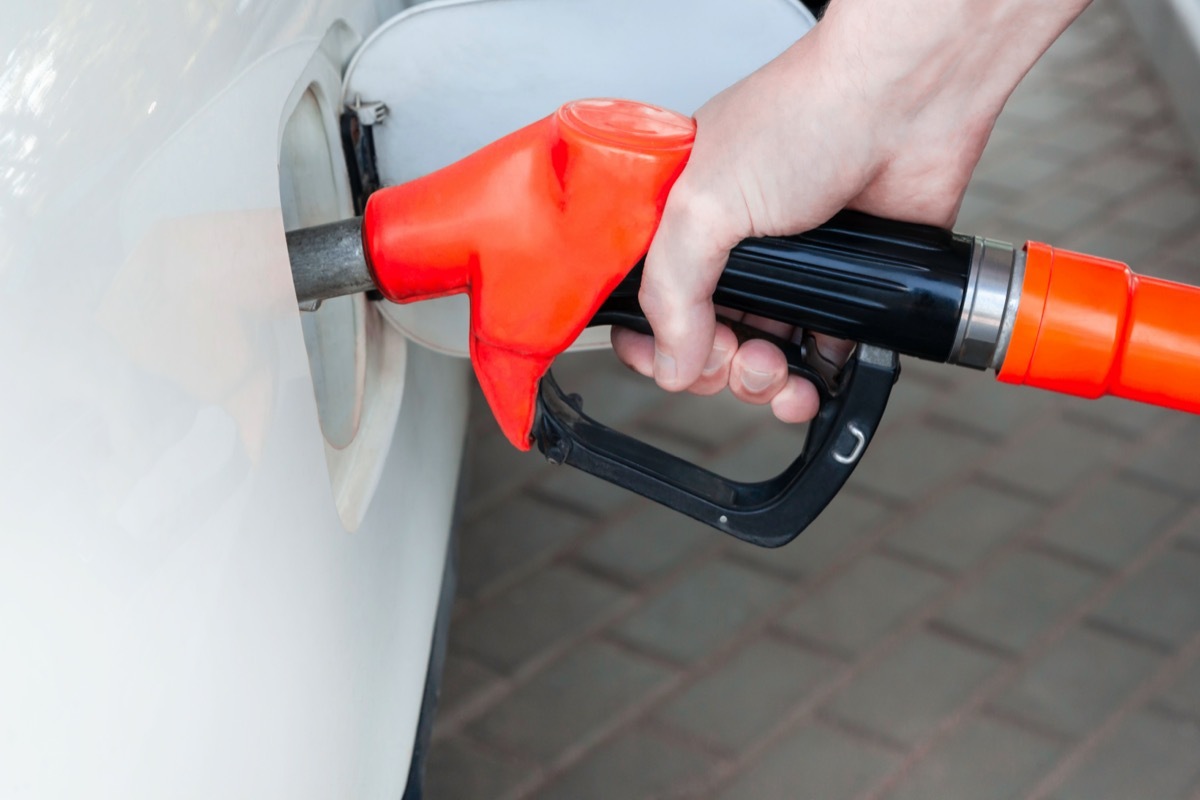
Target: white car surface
[(183, 613)]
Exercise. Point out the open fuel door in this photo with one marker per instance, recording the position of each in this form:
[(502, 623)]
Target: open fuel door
[(439, 81)]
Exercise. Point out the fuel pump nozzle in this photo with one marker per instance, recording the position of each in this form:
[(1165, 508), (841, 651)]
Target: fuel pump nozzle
[(544, 230)]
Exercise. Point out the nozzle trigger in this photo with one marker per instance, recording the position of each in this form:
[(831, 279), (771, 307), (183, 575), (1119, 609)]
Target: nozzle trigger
[(767, 513)]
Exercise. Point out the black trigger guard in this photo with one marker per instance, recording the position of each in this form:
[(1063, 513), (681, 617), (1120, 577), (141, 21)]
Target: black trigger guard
[(767, 513)]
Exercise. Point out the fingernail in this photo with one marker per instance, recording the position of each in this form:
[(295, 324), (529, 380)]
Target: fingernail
[(664, 366), (716, 359), (755, 380)]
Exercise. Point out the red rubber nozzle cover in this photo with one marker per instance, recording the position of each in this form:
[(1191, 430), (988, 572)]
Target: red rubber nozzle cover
[(1089, 326), (538, 228)]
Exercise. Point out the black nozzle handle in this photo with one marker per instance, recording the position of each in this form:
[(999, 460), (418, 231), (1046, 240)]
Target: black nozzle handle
[(895, 285)]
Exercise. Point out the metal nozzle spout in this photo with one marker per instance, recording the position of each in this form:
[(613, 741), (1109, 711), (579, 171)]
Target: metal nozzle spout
[(328, 261)]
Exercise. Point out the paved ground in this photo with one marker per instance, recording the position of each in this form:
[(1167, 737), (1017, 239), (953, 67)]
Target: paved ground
[(1005, 601)]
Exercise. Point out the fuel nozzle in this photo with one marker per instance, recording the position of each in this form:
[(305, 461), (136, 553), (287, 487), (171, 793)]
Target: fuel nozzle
[(544, 229)]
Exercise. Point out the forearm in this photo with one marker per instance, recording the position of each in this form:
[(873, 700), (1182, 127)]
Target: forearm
[(975, 51), (940, 68)]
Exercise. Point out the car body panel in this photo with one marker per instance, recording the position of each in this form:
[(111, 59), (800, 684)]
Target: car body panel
[(183, 613)]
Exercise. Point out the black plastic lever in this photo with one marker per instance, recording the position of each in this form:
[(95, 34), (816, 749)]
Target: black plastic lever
[(767, 513)]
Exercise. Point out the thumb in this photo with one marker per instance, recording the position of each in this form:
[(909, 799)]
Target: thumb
[(683, 264)]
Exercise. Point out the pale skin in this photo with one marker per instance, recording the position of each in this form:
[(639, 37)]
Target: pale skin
[(885, 107)]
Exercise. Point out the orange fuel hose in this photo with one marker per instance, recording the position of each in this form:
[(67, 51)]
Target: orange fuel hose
[(1089, 326)]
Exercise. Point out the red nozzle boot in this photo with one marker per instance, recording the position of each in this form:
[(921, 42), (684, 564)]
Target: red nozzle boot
[(525, 227)]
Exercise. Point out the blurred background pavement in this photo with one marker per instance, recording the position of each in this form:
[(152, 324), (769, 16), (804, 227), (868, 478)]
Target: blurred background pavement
[(1004, 601)]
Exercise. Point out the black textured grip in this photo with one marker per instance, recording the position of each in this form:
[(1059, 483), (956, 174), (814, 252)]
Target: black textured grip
[(892, 284)]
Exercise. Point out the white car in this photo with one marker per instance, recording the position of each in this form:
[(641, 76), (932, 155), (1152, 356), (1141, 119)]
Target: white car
[(224, 522)]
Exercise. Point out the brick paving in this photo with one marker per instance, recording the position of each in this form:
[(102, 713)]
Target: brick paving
[(1004, 602)]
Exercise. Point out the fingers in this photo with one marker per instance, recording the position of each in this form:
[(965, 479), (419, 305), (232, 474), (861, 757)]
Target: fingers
[(714, 376), (796, 402), (758, 372), (685, 259), (635, 350)]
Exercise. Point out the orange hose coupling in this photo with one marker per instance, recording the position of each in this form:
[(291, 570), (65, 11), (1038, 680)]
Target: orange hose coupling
[(1089, 326)]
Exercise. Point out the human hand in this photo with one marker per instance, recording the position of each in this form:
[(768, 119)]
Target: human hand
[(884, 107)]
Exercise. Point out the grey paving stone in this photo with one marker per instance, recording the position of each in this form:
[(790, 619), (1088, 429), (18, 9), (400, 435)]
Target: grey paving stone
[(1017, 599), (845, 522), (984, 760), (1016, 174), (1137, 103), (634, 765), (1162, 602), (978, 209), (579, 367), (1103, 21), (1174, 461), (497, 470), (1074, 45), (611, 393), (1189, 534), (762, 454), (1058, 457), (459, 769), (915, 460), (589, 494), (862, 604), (1112, 522), (984, 404), (1125, 172), (1175, 268), (906, 695), (642, 546), (1169, 207), (745, 697), (1127, 417), (508, 538), (715, 421), (530, 616), (1060, 210), (963, 526), (814, 762), (1121, 241), (1087, 136), (1040, 102), (1078, 682), (1101, 74), (594, 683), (1163, 137), (1183, 696), (1149, 757), (463, 679), (911, 397), (707, 607)]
